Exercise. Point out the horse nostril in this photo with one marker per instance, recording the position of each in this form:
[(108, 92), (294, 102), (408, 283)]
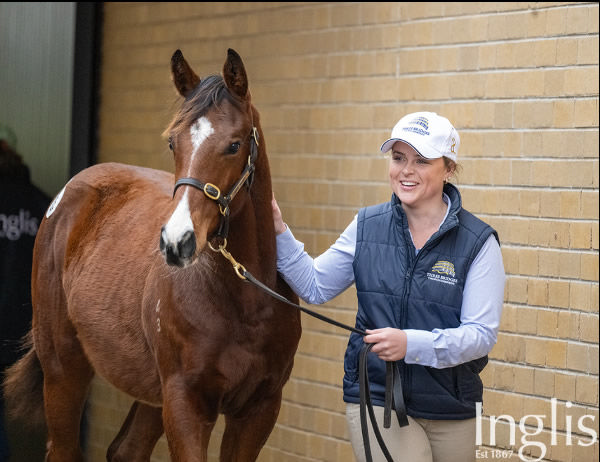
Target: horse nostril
[(162, 244), (171, 256), (187, 245)]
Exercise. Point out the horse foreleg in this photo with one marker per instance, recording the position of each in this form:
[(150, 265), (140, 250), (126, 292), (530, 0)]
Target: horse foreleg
[(138, 435), (188, 419), (245, 435)]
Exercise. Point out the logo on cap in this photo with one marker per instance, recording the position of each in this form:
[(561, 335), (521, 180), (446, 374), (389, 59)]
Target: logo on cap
[(421, 122)]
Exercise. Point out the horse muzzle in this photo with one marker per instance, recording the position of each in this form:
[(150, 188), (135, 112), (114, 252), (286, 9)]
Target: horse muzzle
[(178, 252)]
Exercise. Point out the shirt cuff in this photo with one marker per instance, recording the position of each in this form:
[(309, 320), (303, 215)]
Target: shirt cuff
[(419, 347)]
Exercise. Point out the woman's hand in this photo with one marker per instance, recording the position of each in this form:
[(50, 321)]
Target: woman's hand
[(280, 226), (390, 344)]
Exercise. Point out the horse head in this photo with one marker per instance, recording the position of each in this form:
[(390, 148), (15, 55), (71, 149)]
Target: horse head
[(214, 142)]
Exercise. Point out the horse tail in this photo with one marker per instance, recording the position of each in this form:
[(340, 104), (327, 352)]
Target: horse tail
[(23, 387)]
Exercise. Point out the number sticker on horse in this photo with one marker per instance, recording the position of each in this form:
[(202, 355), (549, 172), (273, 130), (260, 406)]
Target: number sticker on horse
[(55, 202)]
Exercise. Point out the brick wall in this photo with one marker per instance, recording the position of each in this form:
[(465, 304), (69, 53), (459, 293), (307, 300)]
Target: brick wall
[(520, 83)]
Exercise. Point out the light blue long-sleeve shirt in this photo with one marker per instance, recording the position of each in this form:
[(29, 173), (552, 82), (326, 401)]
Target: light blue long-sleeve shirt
[(320, 279)]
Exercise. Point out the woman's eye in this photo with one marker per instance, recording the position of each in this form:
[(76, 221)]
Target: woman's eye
[(233, 148)]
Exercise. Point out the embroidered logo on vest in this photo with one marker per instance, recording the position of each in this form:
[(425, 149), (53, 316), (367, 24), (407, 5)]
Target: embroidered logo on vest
[(443, 271)]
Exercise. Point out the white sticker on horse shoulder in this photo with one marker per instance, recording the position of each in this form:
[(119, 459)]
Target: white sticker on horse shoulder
[(55, 202)]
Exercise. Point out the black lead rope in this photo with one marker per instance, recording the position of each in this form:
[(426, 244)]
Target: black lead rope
[(393, 384)]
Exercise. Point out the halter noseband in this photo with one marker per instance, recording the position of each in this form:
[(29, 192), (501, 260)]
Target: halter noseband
[(213, 192)]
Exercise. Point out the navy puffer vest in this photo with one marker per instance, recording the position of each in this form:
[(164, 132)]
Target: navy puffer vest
[(397, 288)]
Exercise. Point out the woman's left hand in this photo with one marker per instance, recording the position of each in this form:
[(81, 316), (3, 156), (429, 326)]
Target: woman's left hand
[(390, 343)]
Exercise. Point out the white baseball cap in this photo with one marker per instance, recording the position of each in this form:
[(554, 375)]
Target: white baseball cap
[(431, 135)]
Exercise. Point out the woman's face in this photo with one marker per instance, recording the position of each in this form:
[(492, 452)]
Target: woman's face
[(416, 180)]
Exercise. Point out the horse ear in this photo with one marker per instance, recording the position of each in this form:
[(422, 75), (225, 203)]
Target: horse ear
[(184, 78), (234, 74)]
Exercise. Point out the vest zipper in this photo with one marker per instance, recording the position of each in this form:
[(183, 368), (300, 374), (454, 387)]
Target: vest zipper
[(405, 370)]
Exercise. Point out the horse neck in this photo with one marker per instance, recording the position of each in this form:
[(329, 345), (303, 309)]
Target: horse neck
[(251, 231)]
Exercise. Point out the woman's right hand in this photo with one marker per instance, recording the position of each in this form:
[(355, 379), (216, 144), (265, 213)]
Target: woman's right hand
[(280, 226)]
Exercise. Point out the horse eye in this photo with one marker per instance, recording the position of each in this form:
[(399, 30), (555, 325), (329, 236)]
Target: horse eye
[(233, 148), (171, 144)]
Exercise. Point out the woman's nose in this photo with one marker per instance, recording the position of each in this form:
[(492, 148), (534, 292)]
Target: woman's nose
[(407, 167)]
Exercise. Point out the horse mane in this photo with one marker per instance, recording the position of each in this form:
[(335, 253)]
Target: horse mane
[(211, 91)]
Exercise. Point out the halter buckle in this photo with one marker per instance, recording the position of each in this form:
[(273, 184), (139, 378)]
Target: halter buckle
[(212, 191)]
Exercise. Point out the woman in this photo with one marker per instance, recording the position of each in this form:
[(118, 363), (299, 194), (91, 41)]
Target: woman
[(430, 285)]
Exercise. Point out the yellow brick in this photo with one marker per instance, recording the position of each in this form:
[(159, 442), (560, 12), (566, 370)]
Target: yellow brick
[(537, 292), (585, 113), (535, 351), (588, 327), (566, 51), (570, 265), (577, 20), (544, 382), (547, 323), (558, 294), (556, 22), (556, 354), (563, 112), (508, 321), (527, 320), (523, 377), (587, 389), (581, 82), (589, 266), (530, 203), (581, 235), (564, 386), (589, 204), (587, 50), (504, 378), (550, 204), (578, 357), (545, 52), (510, 258), (549, 263), (554, 82), (517, 290), (569, 324)]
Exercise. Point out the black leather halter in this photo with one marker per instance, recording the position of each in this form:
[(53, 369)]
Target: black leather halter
[(223, 200)]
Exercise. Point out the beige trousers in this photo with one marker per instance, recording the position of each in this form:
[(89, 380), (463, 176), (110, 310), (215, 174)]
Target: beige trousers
[(421, 441)]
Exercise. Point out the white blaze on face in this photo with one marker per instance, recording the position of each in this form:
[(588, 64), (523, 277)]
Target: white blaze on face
[(199, 131), (181, 220)]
